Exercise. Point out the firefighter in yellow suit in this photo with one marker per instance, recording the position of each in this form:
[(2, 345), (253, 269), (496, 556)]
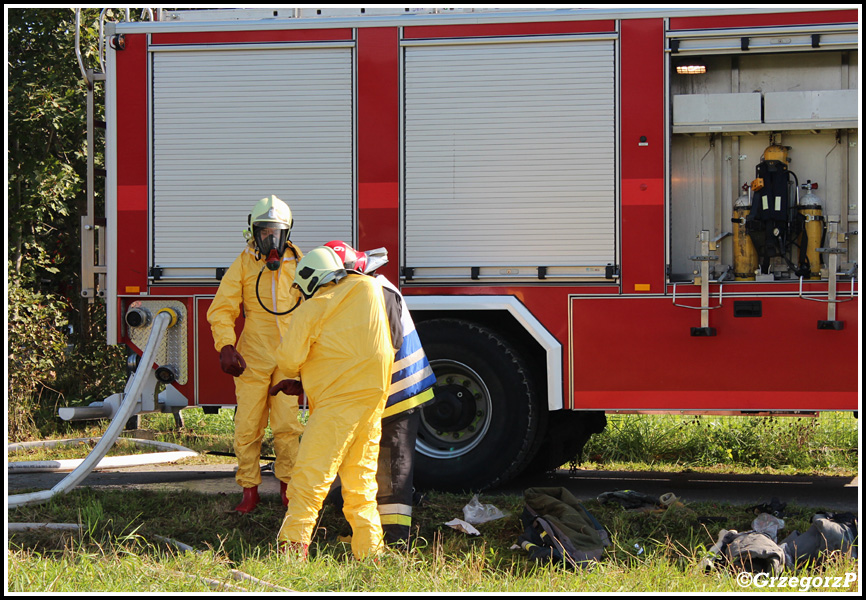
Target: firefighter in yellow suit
[(412, 384), (260, 280), (339, 343)]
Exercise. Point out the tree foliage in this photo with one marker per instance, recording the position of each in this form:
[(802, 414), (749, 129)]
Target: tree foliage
[(47, 153), (47, 165)]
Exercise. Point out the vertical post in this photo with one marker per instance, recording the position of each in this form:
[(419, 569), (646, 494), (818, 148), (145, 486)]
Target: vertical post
[(832, 235), (88, 237), (705, 278), (833, 252)]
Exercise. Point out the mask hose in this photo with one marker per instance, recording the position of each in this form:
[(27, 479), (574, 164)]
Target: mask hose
[(259, 278)]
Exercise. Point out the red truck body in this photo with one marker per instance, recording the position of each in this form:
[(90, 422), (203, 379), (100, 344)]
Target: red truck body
[(602, 295)]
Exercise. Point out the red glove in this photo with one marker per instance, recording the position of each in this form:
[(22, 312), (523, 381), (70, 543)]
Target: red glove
[(290, 387), (231, 361)]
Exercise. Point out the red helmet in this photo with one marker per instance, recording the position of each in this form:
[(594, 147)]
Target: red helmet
[(352, 259)]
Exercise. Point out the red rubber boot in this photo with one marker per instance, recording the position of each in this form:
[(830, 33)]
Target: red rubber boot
[(283, 487), (249, 501), (296, 549)]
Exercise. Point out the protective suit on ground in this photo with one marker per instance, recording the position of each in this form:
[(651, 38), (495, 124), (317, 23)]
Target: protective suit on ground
[(251, 359), (412, 381), (339, 343)]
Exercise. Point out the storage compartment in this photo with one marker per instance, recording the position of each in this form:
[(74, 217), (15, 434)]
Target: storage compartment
[(724, 120)]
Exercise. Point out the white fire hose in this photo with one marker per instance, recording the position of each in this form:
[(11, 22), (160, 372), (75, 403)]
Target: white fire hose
[(174, 452), (124, 412)]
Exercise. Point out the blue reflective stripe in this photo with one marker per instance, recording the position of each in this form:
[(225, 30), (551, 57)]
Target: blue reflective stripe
[(411, 344), (418, 365), (400, 390), (411, 390)]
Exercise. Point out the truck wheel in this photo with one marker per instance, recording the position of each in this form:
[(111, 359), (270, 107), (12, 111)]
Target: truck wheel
[(484, 423), (567, 433)]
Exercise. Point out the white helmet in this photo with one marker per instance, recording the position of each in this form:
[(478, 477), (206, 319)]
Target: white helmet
[(319, 266), (271, 223)]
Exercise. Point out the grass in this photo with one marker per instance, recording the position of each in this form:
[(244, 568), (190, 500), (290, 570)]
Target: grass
[(823, 445), (119, 546)]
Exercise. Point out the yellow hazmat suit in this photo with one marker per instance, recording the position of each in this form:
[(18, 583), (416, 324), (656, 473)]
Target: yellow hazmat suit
[(339, 343), (257, 345)]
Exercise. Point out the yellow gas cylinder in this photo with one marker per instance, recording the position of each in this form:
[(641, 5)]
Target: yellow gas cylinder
[(745, 257), (812, 208)]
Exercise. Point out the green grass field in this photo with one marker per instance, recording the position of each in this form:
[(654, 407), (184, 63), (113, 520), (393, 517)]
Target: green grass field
[(121, 545)]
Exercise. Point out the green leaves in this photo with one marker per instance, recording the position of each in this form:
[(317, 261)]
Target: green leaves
[(36, 345), (47, 145), (47, 161)]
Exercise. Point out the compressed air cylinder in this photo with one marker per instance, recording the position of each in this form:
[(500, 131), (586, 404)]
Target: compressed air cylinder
[(745, 257), (812, 207)]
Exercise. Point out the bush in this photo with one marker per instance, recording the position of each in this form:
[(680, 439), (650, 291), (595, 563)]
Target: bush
[(36, 351), (47, 366), (92, 370)]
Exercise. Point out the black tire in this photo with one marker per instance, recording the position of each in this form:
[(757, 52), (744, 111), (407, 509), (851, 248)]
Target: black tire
[(485, 423), (567, 434)]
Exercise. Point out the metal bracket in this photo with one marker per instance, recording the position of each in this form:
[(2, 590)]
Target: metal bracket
[(832, 252), (704, 258), (705, 307)]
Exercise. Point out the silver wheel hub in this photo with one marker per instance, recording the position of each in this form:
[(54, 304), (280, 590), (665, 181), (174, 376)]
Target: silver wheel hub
[(458, 419)]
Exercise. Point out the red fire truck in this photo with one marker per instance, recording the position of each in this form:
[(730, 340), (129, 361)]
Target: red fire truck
[(588, 211)]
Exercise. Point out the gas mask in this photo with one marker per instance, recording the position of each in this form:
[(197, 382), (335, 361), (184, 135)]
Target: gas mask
[(270, 240)]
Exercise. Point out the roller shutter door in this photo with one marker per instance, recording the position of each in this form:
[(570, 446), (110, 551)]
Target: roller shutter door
[(510, 158), (233, 126)]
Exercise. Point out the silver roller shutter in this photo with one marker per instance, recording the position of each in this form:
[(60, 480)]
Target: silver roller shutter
[(233, 126), (510, 159)]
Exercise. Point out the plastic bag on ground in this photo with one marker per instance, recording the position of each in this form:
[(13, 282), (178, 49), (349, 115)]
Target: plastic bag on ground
[(477, 513), (461, 525)]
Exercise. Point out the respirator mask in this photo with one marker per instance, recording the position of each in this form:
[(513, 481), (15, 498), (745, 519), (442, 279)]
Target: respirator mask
[(270, 240)]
